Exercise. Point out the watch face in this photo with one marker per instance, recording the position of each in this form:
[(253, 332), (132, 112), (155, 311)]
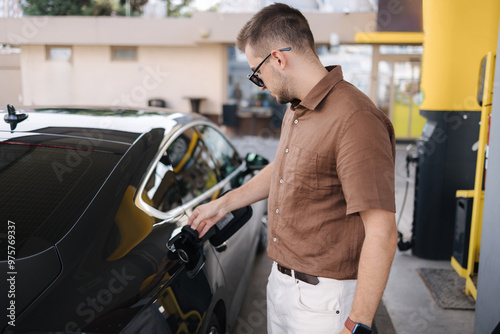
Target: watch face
[(361, 329)]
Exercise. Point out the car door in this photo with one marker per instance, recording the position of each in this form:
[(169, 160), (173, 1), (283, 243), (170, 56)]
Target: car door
[(182, 173), (201, 162), (237, 256)]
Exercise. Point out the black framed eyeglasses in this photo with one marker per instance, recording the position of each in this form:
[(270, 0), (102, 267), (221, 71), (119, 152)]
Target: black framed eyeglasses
[(254, 77)]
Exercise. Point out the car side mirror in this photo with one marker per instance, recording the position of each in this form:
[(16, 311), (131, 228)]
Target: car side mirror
[(255, 161)]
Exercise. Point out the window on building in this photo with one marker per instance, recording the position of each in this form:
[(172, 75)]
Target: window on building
[(59, 53), (355, 60), (240, 90), (124, 53), (401, 49)]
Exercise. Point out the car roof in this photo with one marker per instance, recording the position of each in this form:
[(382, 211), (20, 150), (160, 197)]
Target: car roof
[(116, 124)]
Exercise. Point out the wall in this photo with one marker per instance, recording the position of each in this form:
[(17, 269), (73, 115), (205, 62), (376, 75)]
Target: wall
[(92, 78), (488, 293), (10, 79)]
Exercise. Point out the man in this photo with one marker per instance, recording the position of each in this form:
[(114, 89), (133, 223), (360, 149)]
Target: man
[(332, 230)]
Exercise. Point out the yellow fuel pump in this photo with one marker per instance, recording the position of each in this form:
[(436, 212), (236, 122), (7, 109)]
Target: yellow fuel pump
[(469, 270), (457, 35)]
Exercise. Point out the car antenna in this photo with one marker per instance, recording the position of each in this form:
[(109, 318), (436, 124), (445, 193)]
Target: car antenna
[(13, 117)]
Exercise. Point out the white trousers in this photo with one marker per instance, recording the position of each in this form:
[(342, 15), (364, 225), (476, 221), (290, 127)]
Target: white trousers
[(297, 307)]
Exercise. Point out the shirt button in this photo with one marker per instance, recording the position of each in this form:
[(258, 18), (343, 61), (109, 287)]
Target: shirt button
[(286, 151), (277, 210), (274, 239), (296, 121), (281, 180)]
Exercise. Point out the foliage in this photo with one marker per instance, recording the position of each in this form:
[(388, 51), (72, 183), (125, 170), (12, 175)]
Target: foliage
[(178, 8), (98, 8), (81, 7), (54, 7), (175, 8), (135, 7)]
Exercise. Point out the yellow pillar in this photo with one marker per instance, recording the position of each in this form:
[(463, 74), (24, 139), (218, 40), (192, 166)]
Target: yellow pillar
[(457, 34)]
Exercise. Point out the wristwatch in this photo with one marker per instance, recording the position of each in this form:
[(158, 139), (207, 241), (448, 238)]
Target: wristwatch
[(357, 328)]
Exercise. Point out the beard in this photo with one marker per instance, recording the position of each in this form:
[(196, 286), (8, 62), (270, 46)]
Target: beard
[(281, 92)]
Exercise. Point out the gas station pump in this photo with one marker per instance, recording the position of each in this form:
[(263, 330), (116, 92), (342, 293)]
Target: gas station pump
[(458, 33), (465, 259)]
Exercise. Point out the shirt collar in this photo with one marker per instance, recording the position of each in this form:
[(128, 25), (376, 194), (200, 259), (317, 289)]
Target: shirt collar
[(319, 92)]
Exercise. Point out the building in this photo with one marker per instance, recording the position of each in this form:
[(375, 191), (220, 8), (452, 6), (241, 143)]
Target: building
[(128, 61)]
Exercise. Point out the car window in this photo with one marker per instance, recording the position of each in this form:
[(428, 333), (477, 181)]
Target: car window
[(45, 189), (225, 156), (192, 164), (161, 191)]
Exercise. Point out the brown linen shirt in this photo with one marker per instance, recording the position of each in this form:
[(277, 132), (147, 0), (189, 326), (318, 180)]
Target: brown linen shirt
[(335, 158)]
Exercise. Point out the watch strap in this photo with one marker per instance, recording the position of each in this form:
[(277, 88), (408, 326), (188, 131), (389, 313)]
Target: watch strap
[(349, 324)]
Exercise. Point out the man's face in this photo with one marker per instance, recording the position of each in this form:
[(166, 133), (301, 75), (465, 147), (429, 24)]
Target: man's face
[(274, 80)]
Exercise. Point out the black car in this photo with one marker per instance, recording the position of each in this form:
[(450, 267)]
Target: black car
[(94, 205)]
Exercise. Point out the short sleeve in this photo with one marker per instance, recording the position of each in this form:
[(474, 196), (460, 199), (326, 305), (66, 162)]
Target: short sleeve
[(365, 162)]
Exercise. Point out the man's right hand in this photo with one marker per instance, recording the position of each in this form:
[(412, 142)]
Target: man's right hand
[(205, 216)]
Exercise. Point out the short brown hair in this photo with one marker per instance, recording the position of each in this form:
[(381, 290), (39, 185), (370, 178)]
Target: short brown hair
[(276, 26)]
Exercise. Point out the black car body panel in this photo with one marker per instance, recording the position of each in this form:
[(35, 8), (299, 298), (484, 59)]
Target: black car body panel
[(87, 258)]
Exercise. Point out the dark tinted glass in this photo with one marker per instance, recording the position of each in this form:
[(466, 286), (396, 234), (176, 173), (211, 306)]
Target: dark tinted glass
[(192, 164), (161, 191), (44, 190), (225, 156)]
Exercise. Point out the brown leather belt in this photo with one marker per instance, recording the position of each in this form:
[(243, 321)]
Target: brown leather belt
[(298, 275)]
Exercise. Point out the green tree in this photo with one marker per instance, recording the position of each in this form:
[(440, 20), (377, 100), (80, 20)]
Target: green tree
[(81, 7), (135, 6), (54, 7), (179, 8), (98, 8), (175, 8)]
